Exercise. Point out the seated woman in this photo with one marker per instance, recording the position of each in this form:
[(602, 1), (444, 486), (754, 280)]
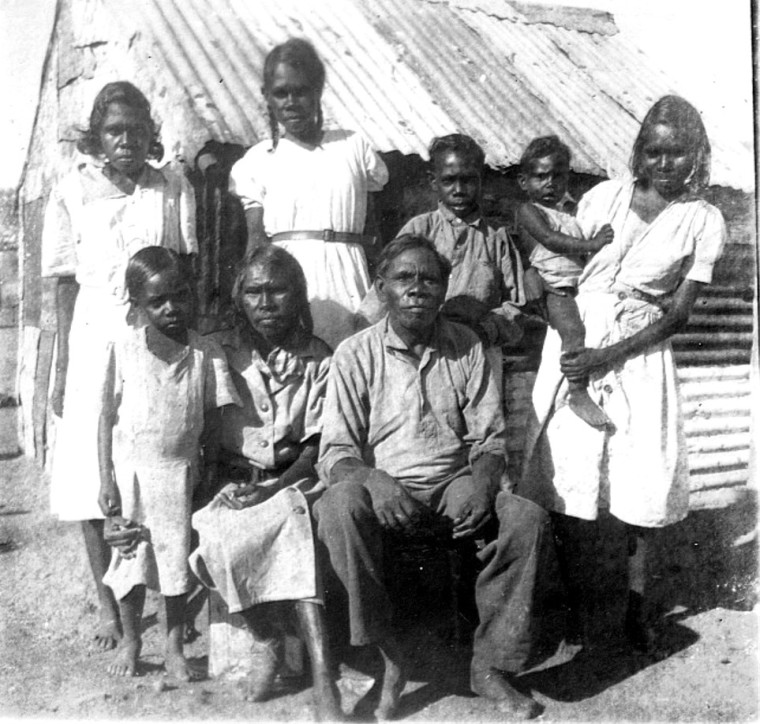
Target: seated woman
[(256, 541)]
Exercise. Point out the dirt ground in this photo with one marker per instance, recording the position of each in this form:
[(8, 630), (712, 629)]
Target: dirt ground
[(706, 584)]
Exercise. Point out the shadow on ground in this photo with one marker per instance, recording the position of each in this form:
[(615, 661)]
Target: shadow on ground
[(707, 561)]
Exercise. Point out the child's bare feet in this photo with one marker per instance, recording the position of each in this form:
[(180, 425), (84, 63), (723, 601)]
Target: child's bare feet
[(108, 633), (178, 667), (582, 405), (125, 661)]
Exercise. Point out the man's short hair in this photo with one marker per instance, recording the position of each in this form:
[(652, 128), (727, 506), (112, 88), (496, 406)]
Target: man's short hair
[(407, 242)]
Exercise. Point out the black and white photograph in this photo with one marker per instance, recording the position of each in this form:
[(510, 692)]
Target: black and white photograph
[(379, 360)]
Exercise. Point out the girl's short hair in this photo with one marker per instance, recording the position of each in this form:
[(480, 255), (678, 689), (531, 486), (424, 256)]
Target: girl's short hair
[(145, 264), (541, 148), (275, 257), (679, 114), (120, 91), (456, 143), (299, 54), (407, 242)]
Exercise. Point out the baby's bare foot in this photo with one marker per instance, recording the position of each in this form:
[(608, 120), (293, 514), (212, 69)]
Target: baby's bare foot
[(582, 405), (178, 667), (125, 661)]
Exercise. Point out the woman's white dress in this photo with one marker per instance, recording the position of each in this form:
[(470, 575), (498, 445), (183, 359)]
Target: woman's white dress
[(301, 188), (91, 230), (640, 471)]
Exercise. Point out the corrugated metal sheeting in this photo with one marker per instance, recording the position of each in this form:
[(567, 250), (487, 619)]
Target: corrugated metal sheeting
[(401, 71)]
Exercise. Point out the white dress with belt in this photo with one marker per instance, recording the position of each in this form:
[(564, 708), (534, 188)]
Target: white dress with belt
[(309, 188)]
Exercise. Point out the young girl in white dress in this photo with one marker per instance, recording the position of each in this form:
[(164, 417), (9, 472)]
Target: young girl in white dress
[(306, 189), (111, 205), (633, 295), (161, 381)]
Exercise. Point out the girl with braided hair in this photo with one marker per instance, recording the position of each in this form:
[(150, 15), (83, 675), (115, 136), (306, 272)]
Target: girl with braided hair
[(306, 189)]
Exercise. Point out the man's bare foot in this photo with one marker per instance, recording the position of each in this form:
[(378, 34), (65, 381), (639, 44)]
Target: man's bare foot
[(496, 685), (108, 633), (178, 668), (394, 680), (125, 660), (326, 701), (582, 405)]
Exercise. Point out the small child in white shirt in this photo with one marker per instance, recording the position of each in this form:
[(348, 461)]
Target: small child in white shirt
[(557, 252)]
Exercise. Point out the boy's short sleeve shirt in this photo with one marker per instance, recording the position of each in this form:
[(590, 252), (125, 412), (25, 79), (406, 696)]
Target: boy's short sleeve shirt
[(485, 262)]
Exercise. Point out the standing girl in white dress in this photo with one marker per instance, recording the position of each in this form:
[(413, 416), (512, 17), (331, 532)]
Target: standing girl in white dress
[(306, 189), (106, 209), (634, 294), (161, 381)]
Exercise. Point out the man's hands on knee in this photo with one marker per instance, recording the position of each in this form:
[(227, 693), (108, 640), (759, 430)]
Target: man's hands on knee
[(476, 510), (393, 506)]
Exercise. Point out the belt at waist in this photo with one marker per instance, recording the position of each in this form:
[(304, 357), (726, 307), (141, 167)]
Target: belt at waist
[(342, 237), (625, 292)]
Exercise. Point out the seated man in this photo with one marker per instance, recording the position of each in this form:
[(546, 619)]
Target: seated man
[(486, 291), (413, 427)]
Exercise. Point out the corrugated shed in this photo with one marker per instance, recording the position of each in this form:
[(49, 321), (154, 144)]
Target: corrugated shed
[(399, 71)]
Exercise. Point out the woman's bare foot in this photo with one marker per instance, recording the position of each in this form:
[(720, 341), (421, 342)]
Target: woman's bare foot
[(394, 680), (582, 405), (265, 658), (178, 667), (108, 633), (125, 660), (496, 685)]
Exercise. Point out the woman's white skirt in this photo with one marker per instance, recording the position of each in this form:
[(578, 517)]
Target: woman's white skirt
[(640, 471)]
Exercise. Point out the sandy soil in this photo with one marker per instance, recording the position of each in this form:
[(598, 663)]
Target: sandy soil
[(705, 581)]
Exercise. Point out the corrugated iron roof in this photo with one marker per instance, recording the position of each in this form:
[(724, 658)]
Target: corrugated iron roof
[(400, 71)]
